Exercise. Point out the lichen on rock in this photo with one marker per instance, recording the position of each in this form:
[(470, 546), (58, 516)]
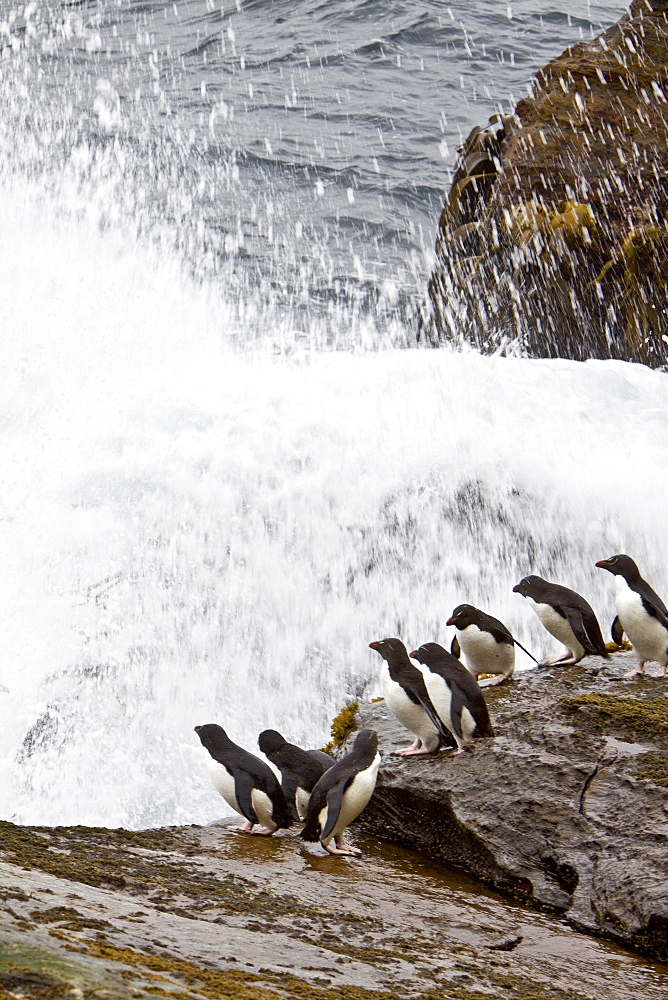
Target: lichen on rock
[(560, 245)]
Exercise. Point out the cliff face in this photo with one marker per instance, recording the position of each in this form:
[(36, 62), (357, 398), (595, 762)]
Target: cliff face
[(566, 808), (554, 233)]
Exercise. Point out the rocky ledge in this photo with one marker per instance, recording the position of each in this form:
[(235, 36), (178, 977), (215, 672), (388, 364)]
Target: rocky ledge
[(553, 237), (567, 808)]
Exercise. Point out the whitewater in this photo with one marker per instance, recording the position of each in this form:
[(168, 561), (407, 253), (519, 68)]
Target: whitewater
[(217, 492)]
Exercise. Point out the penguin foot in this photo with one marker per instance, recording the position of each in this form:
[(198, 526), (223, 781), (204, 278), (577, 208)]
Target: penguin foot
[(246, 828), (455, 753), (411, 752), (342, 848), (559, 661), (497, 680), (415, 745), (639, 669), (263, 831)]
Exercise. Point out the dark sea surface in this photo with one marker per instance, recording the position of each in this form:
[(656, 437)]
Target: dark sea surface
[(297, 152)]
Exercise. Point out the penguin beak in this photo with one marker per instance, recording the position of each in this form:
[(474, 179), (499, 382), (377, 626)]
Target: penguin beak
[(197, 729), (602, 564), (451, 621), (517, 589), (414, 654), (375, 645)]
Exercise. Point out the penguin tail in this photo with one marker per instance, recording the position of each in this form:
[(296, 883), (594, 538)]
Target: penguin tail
[(311, 831), (485, 732), (284, 819)]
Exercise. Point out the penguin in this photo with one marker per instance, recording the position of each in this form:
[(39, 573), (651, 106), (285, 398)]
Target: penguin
[(454, 693), (640, 613), (341, 794), (246, 783), (486, 642), (567, 617), (405, 695), (300, 769)]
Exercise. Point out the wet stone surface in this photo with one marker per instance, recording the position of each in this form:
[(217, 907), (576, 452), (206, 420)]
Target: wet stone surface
[(204, 912), (567, 808), (557, 811)]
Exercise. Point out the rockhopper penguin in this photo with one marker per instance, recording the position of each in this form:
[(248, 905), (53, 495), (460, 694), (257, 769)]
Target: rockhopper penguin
[(406, 695), (566, 616), (640, 613), (300, 769), (342, 793), (454, 694), (246, 783), (487, 644)]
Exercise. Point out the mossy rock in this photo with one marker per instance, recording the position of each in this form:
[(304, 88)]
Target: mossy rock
[(615, 715), (343, 725), (653, 767)]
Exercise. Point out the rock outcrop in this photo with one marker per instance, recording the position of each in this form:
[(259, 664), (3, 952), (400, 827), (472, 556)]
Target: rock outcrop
[(201, 912), (554, 238), (567, 808)]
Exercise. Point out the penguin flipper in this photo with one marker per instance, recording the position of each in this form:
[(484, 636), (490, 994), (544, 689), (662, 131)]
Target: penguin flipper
[(289, 785), (243, 788), (616, 631), (455, 648), (444, 732), (655, 608), (593, 630), (575, 619), (334, 802), (478, 709)]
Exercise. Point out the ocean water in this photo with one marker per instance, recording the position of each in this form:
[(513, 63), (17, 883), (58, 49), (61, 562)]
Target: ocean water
[(227, 466)]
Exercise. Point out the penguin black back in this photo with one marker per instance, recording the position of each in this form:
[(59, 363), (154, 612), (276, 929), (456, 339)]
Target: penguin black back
[(249, 774), (465, 690), (299, 768), (623, 565), (465, 615), (330, 791), (401, 669), (570, 606)]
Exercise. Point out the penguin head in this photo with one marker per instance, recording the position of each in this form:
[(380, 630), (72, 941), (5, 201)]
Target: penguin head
[(366, 742), (270, 742), (392, 650), (620, 565), (529, 586), (213, 737), (463, 616), (430, 652)]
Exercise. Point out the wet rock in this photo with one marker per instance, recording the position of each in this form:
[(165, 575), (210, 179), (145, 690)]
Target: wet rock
[(556, 810), (205, 912), (554, 234)]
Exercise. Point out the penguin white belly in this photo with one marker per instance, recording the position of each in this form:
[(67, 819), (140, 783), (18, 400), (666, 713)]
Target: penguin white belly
[(440, 695), (224, 783), (647, 636), (355, 797), (302, 798), (263, 808), (468, 725), (557, 626), (484, 655), (410, 715)]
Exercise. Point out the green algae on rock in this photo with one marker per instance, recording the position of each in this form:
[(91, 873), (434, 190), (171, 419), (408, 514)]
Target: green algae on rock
[(343, 725), (325, 929), (562, 244), (622, 716)]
